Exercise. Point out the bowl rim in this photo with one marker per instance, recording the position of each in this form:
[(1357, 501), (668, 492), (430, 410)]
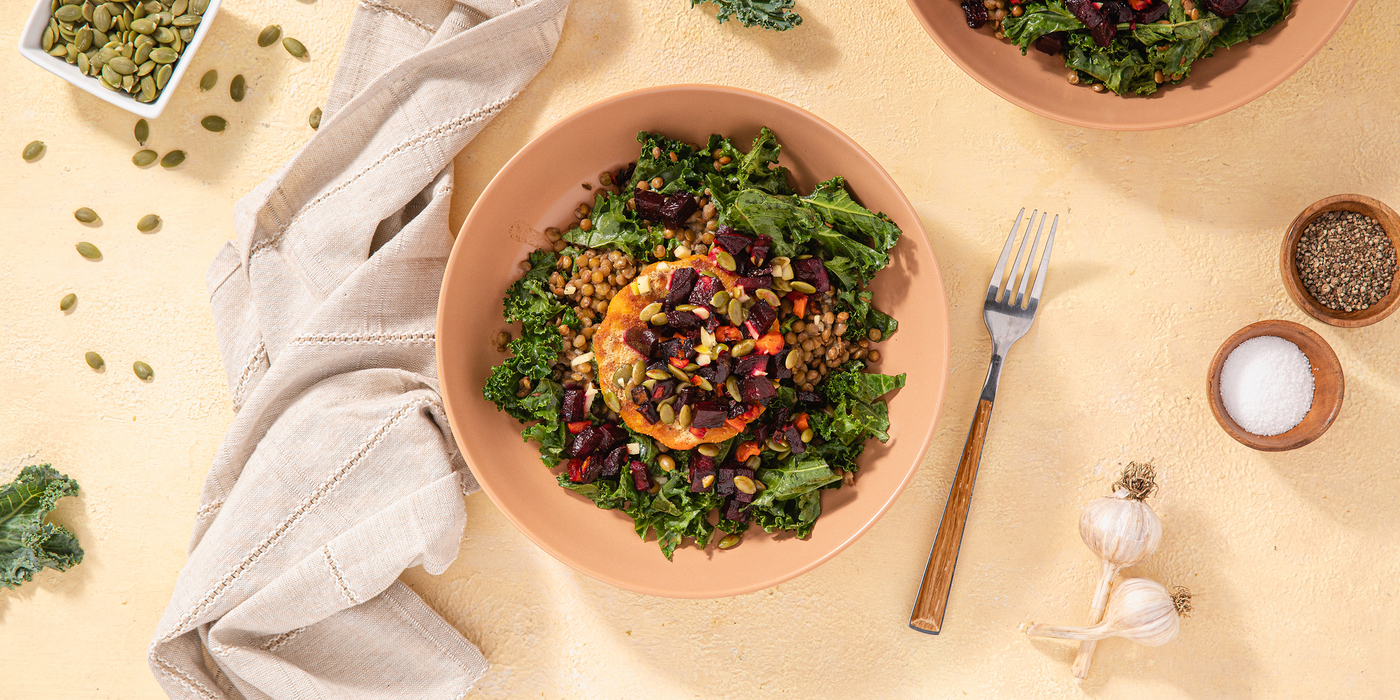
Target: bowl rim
[(944, 351), (31, 38), (1242, 98), (1321, 357), (1293, 282)]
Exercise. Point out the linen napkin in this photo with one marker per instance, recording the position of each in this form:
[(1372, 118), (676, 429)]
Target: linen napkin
[(339, 470)]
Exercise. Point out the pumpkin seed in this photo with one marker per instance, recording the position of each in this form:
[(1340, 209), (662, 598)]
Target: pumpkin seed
[(754, 463), (186, 34), (58, 51), (668, 414), (709, 449), (83, 66), (704, 383), (214, 123), (742, 348), (94, 361), (729, 541), (163, 76), (129, 82), (667, 462), (610, 399), (46, 42), (658, 374), (143, 26), (67, 301), (88, 251), (782, 286), (768, 297), (650, 310), (144, 158), (165, 35), (209, 80), (720, 300), (315, 119), (143, 371), (807, 435), (148, 89), (683, 420), (186, 21), (180, 7), (800, 286), (122, 65), (146, 67), (83, 39), (148, 223), (164, 55), (294, 47), (709, 479), (639, 371), (736, 312), (745, 484), (198, 6), (85, 215), (236, 88), (792, 360), (678, 373), (172, 159), (68, 13), (731, 385), (725, 260), (658, 320), (269, 35)]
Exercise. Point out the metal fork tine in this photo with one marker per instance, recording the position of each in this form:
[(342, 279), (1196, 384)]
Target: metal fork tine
[(994, 289), (1025, 238), (1044, 261), (1030, 260)]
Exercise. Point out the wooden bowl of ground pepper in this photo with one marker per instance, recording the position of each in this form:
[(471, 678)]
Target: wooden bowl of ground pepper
[(1339, 261)]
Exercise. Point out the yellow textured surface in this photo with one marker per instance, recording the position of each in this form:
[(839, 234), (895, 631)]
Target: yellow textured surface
[(1170, 245)]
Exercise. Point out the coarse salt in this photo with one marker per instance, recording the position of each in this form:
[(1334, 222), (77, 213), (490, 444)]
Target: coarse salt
[(1266, 385)]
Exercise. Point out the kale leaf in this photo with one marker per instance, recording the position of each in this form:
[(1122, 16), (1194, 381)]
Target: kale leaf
[(794, 221), (529, 301), (768, 14), (682, 174), (779, 217), (27, 543), (857, 413), (614, 226), (758, 169), (833, 203), (1037, 21)]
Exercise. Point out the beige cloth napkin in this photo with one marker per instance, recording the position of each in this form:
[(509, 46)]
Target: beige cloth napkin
[(339, 470)]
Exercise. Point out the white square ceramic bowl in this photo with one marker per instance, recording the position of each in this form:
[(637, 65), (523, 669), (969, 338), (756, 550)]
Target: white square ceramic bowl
[(30, 45)]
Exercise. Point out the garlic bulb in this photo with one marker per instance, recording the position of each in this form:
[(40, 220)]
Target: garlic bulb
[(1140, 610), (1122, 530)]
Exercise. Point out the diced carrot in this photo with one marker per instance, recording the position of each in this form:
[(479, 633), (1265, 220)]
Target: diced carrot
[(746, 450), (769, 344), (801, 421), (725, 334), (799, 303), (578, 427)]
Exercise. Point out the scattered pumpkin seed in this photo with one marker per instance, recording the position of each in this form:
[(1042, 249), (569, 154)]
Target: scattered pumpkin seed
[(33, 150), (742, 347), (294, 47), (731, 385), (172, 159), (720, 300), (610, 399), (143, 371), (639, 371), (650, 310), (736, 312), (269, 35), (729, 541), (678, 373), (807, 435), (658, 374), (209, 80), (85, 215), (94, 361), (148, 223), (88, 250), (683, 420), (144, 158), (236, 88), (768, 297), (704, 383), (792, 360), (315, 119), (667, 462), (709, 449), (214, 123), (725, 260), (800, 286), (709, 479), (143, 26), (67, 301), (745, 484), (668, 414), (142, 132), (68, 13), (658, 320)]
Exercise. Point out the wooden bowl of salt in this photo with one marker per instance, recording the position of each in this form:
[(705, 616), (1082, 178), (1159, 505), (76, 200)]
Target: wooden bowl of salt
[(1264, 386)]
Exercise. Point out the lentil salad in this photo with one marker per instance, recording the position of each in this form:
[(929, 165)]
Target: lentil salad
[(693, 348)]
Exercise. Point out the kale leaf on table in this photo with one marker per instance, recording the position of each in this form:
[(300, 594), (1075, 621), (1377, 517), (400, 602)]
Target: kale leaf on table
[(768, 14), (27, 543)]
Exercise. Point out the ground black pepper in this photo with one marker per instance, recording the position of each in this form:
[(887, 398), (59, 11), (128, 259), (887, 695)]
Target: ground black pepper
[(1346, 260)]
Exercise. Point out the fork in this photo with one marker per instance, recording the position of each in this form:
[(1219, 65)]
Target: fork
[(1007, 319)]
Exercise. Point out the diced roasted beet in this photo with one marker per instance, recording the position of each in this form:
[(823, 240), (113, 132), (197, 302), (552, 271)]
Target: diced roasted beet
[(794, 440), (741, 470), (758, 254), (684, 396), (755, 365), (612, 434), (724, 481), (778, 415), (682, 279), (586, 441), (712, 323), (742, 497), (780, 370), (734, 409), (663, 390), (573, 405), (649, 204), (1153, 13), (736, 510), (1225, 8), (1104, 33), (709, 414), (640, 395), (643, 340), (761, 318), (704, 290), (650, 412), (733, 243), (683, 319), (681, 348), (576, 470), (678, 208), (1085, 11), (1115, 12), (717, 371), (757, 282), (757, 390), (1054, 42), (808, 396), (813, 272), (975, 12), (612, 465), (640, 478), (700, 467), (761, 431)]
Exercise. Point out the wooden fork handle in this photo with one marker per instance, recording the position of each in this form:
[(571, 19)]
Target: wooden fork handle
[(932, 601)]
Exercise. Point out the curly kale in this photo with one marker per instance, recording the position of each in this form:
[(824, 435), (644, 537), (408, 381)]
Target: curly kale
[(769, 14), (27, 543)]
